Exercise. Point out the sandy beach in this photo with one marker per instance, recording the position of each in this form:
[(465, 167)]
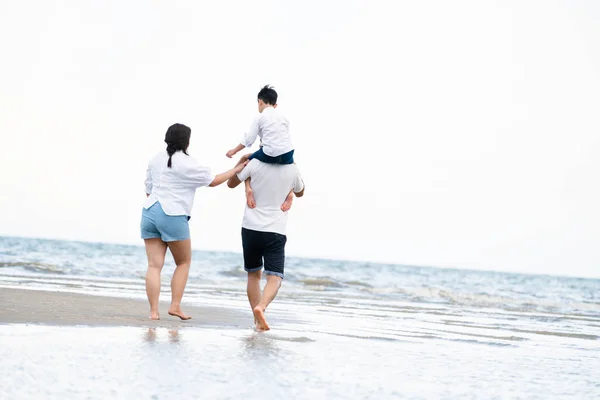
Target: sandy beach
[(74, 324), (60, 308)]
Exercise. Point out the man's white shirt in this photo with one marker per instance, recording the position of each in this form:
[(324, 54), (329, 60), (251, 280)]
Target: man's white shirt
[(270, 183)]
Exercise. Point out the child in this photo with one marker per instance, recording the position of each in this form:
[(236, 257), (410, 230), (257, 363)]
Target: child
[(276, 146)]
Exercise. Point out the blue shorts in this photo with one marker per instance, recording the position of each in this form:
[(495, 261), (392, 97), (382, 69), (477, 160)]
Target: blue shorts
[(169, 228), (287, 158)]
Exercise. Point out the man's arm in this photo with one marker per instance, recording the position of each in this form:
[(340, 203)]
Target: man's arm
[(300, 193), (298, 188), (234, 181)]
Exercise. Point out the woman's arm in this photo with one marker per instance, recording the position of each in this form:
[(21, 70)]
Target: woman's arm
[(223, 177), (233, 181)]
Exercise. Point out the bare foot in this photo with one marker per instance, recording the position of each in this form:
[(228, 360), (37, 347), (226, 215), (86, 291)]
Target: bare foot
[(179, 313), (287, 204), (261, 321), (250, 199), (154, 315)]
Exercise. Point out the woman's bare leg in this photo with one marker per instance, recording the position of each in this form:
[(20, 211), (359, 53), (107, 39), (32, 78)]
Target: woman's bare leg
[(155, 250), (182, 254)]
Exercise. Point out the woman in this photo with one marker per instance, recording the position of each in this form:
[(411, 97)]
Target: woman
[(171, 182)]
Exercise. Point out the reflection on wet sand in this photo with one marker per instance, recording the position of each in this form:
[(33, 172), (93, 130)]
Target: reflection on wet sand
[(174, 336), (260, 344), (150, 335)]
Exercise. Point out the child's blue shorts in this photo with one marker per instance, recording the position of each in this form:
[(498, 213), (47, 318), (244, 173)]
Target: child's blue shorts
[(286, 158), (169, 228)]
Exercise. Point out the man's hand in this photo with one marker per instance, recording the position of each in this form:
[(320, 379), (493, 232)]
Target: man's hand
[(244, 159), (240, 166), (234, 180)]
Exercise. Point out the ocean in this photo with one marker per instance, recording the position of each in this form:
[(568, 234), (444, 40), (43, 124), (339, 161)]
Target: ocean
[(340, 330)]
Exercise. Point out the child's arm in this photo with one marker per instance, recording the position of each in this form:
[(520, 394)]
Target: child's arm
[(248, 139), (235, 150)]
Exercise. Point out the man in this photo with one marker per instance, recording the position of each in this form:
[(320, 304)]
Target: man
[(263, 229)]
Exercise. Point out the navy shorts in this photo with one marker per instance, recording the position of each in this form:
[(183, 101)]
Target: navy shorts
[(168, 228), (286, 158), (267, 246)]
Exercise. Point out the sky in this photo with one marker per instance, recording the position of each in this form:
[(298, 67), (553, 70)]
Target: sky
[(452, 134)]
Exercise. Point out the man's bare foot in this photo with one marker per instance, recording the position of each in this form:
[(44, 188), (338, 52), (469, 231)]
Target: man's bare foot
[(179, 313), (287, 204), (250, 199), (261, 321), (154, 315)]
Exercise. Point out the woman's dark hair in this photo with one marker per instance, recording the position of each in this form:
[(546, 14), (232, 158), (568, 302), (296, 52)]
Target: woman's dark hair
[(177, 138)]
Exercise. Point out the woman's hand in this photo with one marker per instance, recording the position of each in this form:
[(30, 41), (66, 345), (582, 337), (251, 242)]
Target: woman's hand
[(240, 166), (244, 158)]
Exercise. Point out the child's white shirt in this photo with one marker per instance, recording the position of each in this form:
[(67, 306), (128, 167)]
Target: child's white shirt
[(273, 129)]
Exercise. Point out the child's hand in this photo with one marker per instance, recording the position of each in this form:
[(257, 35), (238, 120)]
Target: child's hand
[(231, 153)]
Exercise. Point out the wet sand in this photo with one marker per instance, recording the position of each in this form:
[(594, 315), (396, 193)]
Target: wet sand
[(60, 308)]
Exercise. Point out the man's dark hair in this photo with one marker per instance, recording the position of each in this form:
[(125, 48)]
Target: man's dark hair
[(268, 95)]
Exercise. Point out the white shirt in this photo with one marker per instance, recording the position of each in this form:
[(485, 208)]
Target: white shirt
[(174, 188), (270, 185), (273, 129)]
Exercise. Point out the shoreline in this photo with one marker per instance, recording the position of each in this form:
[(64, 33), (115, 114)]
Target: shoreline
[(24, 306)]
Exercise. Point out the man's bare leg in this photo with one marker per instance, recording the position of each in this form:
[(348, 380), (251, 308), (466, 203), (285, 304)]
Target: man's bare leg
[(253, 289), (249, 196), (155, 250), (287, 204), (269, 293), (182, 255)]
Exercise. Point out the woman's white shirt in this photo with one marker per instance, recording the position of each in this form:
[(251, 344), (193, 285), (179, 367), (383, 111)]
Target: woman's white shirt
[(174, 188)]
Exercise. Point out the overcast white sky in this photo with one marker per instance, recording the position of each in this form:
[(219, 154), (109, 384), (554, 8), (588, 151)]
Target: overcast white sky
[(452, 134)]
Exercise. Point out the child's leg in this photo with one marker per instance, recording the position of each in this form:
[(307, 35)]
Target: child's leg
[(287, 204), (249, 196)]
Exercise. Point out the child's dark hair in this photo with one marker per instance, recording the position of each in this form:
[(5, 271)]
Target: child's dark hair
[(177, 138), (268, 95)]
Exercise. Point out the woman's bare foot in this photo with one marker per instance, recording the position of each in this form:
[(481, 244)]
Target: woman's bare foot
[(250, 199), (154, 315), (287, 204), (261, 321), (176, 312)]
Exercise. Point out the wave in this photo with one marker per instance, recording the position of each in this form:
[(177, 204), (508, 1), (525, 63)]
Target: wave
[(330, 283), (234, 273), (346, 288), (321, 282), (34, 267)]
